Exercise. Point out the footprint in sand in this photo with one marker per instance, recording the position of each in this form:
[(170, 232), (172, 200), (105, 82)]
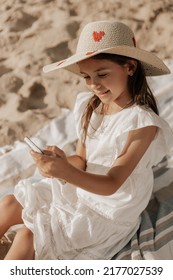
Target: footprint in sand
[(4, 70), (10, 83), (72, 28), (35, 99), (20, 21), (58, 52)]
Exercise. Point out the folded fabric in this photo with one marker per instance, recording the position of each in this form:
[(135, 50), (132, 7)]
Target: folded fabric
[(15, 160)]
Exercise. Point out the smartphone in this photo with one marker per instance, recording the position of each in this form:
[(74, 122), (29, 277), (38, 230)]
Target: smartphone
[(32, 145)]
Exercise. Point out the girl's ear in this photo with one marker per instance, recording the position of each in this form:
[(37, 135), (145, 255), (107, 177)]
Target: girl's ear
[(132, 65)]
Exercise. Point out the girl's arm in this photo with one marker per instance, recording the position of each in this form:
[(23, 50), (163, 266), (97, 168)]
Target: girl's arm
[(137, 143), (79, 159)]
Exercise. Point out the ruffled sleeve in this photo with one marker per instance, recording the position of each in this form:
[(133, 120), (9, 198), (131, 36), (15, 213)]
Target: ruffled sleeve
[(140, 117), (80, 104)]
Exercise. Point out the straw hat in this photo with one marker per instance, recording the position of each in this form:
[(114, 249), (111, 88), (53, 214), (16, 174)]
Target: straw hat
[(109, 37)]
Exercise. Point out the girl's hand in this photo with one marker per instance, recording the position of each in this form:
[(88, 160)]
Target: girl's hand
[(54, 150), (53, 163)]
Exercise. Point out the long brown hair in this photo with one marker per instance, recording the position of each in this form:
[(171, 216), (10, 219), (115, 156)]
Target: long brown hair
[(137, 86)]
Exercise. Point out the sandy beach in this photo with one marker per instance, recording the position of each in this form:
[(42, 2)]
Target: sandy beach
[(34, 33)]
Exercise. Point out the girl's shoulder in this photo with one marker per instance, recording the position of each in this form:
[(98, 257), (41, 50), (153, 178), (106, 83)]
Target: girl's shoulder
[(136, 117), (142, 116), (139, 117)]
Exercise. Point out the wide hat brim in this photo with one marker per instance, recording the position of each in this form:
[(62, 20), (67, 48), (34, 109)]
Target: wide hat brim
[(153, 66)]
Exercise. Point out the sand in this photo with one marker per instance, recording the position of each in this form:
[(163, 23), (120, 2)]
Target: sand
[(37, 32)]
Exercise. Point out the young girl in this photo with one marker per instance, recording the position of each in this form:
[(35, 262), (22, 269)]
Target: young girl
[(94, 209)]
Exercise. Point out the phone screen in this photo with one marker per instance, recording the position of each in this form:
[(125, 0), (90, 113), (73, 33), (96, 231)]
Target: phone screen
[(32, 145)]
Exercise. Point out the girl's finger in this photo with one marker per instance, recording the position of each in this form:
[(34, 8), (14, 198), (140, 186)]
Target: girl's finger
[(35, 155), (56, 150), (49, 153), (51, 148)]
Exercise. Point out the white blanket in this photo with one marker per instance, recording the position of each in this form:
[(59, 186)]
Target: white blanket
[(16, 162)]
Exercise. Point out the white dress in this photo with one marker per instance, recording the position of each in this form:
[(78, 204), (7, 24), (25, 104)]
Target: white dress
[(70, 223)]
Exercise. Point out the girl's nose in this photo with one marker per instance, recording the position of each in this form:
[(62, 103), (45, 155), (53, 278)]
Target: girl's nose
[(94, 84)]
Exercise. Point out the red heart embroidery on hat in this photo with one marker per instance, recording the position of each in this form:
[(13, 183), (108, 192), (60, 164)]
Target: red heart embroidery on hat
[(98, 35), (88, 53), (134, 41), (60, 62)]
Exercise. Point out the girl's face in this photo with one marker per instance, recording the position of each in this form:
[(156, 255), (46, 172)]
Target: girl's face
[(107, 80)]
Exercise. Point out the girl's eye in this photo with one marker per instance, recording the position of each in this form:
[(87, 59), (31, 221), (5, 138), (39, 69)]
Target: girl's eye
[(86, 77), (98, 75), (102, 75)]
